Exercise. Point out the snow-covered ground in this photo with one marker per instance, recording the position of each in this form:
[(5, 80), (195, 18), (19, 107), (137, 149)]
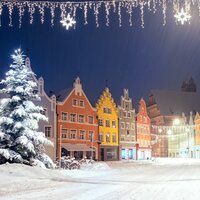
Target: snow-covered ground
[(163, 179)]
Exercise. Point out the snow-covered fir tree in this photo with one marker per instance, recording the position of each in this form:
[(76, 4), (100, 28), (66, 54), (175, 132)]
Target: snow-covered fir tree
[(20, 142)]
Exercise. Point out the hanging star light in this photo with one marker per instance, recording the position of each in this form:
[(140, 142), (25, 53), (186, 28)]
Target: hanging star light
[(182, 16), (68, 21)]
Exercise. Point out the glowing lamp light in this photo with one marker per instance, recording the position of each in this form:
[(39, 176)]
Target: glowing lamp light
[(176, 122), (169, 132), (182, 16), (160, 130)]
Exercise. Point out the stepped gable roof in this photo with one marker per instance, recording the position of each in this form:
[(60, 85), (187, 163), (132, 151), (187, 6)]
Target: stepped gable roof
[(171, 102), (62, 95), (106, 93)]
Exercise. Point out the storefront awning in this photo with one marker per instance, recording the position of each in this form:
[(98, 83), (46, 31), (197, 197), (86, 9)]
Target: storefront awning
[(76, 147)]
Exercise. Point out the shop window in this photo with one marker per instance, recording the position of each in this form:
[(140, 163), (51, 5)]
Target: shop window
[(123, 153)]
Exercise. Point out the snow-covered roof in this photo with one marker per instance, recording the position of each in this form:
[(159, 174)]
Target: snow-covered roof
[(172, 102)]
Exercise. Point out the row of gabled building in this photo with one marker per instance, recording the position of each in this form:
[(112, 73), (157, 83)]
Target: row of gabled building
[(104, 131), (107, 131)]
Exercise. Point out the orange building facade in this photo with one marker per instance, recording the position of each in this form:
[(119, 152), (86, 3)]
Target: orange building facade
[(143, 132), (77, 124)]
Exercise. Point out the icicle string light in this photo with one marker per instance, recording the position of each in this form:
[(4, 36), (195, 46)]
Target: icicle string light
[(107, 6)]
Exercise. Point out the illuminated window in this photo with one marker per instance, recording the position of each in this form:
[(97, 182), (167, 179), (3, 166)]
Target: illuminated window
[(108, 137), (114, 124)]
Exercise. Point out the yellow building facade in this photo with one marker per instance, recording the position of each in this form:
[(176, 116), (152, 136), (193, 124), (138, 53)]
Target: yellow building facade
[(108, 127)]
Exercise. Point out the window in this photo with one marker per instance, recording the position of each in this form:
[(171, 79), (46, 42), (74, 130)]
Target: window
[(132, 126), (122, 138), (109, 111), (122, 125), (107, 123), (100, 122), (91, 120), (81, 118), (127, 107), (100, 137), (108, 137), (114, 124), (129, 114), (47, 131), (124, 114), (81, 103), (73, 134), (114, 137), (64, 133), (105, 110), (44, 111), (82, 135), (64, 116), (73, 117), (90, 135), (127, 126), (74, 102)]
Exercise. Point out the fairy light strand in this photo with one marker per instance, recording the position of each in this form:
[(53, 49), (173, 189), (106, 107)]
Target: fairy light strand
[(115, 6)]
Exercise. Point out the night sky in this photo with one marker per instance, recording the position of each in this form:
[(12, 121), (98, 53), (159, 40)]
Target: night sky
[(156, 57)]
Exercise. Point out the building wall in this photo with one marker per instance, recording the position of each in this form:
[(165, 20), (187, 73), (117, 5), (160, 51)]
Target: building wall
[(107, 110), (127, 127), (159, 138), (49, 105), (67, 106), (143, 131)]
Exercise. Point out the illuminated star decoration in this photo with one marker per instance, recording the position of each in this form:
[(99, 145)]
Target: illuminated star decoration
[(68, 22), (182, 16)]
